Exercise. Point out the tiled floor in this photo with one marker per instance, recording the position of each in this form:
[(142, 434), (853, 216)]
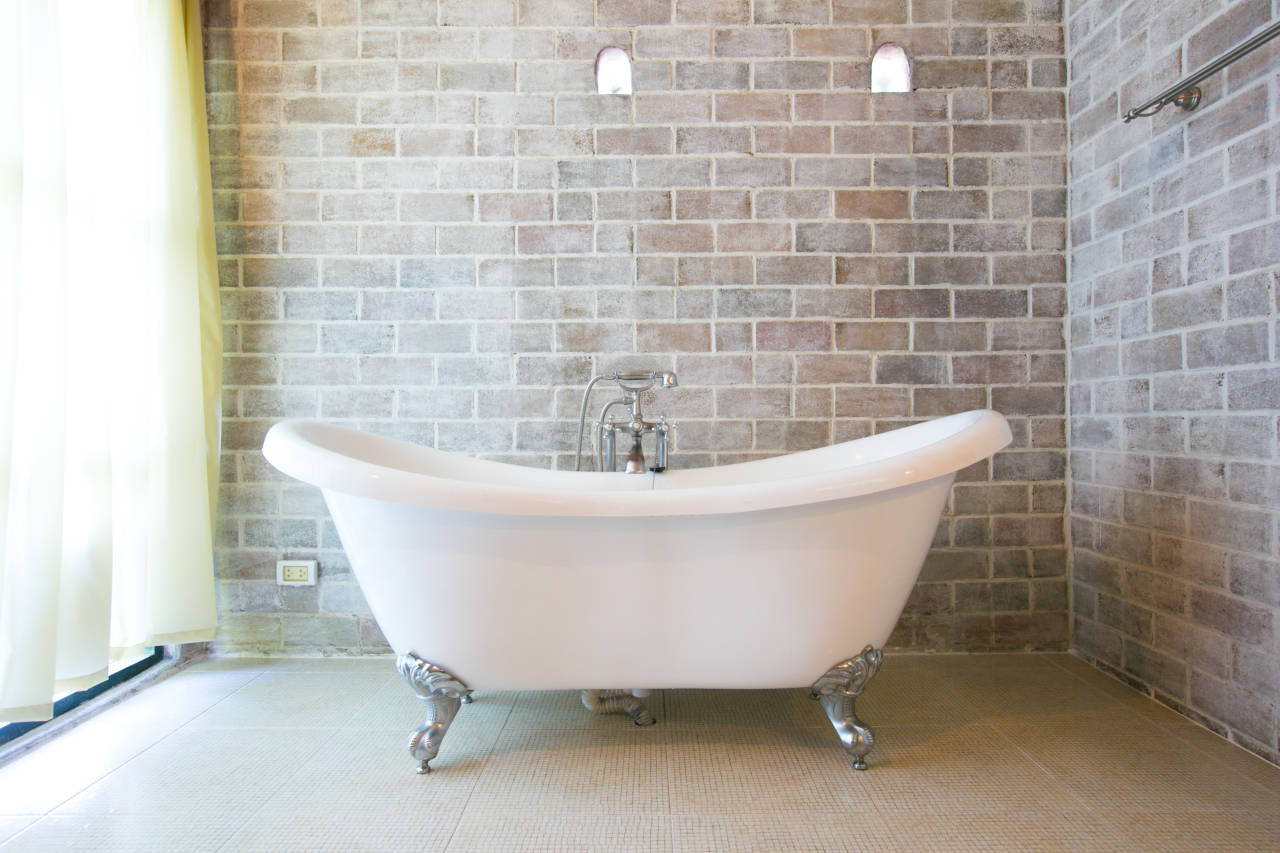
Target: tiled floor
[(974, 752)]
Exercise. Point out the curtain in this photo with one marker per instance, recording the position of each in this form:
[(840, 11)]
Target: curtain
[(109, 342)]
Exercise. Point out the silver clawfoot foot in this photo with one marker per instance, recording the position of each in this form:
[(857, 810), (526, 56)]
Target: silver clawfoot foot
[(442, 693), (618, 702), (837, 690)]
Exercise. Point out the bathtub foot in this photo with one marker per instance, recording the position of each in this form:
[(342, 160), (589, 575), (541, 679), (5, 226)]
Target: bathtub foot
[(618, 702), (837, 691), (442, 693)]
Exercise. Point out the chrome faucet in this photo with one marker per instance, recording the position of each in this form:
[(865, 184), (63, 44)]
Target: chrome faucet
[(632, 384)]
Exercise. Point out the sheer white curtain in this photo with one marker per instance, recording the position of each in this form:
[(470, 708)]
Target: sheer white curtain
[(109, 342)]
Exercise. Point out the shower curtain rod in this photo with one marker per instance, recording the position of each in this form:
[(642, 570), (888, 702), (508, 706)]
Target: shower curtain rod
[(1185, 93)]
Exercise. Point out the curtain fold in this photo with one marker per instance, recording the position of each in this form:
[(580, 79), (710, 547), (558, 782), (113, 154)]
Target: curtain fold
[(109, 342)]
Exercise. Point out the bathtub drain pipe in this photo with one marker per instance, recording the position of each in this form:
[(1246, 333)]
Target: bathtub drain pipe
[(618, 702)]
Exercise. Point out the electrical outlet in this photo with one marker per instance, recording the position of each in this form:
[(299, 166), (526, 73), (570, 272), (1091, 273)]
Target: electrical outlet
[(296, 572)]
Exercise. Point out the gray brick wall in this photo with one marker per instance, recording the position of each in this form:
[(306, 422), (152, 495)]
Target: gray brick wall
[(1175, 386), (429, 226)]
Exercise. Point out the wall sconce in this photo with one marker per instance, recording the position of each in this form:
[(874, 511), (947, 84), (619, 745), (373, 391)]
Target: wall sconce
[(613, 71), (890, 69)]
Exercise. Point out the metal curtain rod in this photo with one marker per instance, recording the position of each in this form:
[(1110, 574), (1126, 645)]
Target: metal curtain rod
[(1185, 93)]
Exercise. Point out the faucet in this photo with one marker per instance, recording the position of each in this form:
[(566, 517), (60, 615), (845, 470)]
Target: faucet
[(631, 384)]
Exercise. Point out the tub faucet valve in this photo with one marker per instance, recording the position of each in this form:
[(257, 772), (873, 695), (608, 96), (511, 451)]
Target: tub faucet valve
[(632, 384)]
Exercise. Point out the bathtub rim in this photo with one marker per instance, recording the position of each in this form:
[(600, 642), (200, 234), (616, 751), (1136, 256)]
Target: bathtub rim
[(296, 448)]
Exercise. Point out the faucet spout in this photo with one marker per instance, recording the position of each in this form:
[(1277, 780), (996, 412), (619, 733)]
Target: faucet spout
[(635, 459)]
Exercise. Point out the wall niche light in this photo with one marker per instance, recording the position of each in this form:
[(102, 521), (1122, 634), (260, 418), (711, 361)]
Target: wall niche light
[(890, 69), (613, 71)]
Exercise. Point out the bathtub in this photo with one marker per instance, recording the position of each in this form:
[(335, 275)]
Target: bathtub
[(784, 572)]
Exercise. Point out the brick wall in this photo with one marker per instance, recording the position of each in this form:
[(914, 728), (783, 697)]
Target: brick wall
[(430, 226), (1175, 386)]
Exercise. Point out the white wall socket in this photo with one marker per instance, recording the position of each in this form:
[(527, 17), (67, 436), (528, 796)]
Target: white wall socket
[(296, 572)]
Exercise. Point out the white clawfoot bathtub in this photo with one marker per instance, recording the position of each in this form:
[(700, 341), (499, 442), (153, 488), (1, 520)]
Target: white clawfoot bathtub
[(763, 574)]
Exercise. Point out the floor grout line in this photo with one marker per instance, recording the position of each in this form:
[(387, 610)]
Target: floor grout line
[(485, 763)]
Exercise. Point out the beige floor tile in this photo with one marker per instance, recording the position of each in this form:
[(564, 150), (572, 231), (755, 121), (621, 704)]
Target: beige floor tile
[(309, 830), (125, 833), (969, 769), (857, 830), (1169, 831), (973, 752), (1110, 761), (289, 700), (1044, 831), (43, 779), (574, 769), (486, 831), (373, 770), (1113, 687), (913, 695), (759, 770), (1238, 759), (1030, 692), (195, 772)]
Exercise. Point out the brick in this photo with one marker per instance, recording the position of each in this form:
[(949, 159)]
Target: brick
[(951, 204), (910, 369), (873, 336), (959, 73), (832, 172), (629, 205), (509, 207), (820, 237), (674, 239), (873, 139), (713, 11), (873, 270), (988, 369), (713, 204), (638, 140), (789, 12), (872, 204), (1240, 709), (864, 12), (912, 303), (1228, 345), (673, 337), (792, 139), (979, 302), (757, 237), (1255, 248), (1232, 526), (835, 368), (832, 106), (790, 74), (1027, 105), (1166, 673), (553, 239), (752, 172), (911, 237), (1231, 616), (1253, 389), (909, 171), (793, 336), (715, 75)]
